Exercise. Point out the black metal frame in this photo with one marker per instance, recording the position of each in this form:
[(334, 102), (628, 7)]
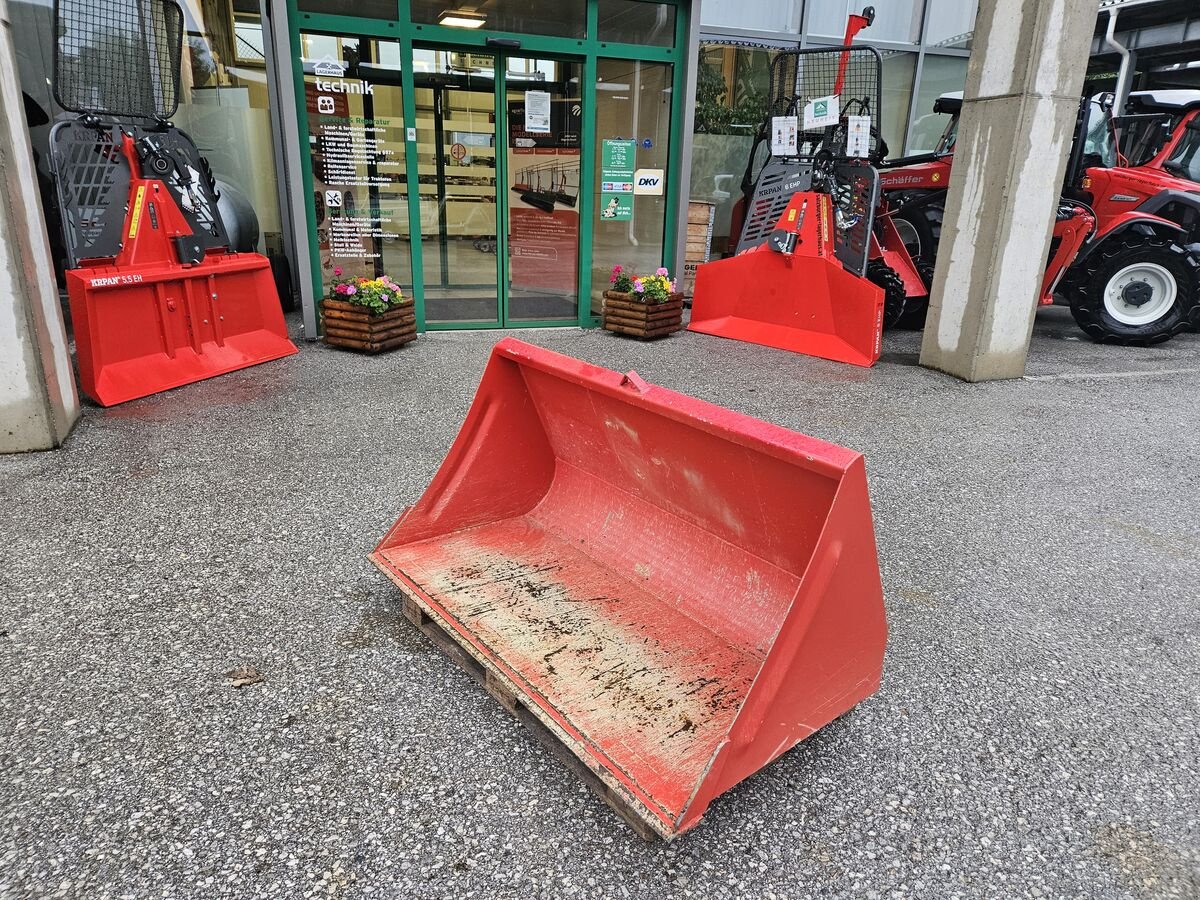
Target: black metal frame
[(127, 57)]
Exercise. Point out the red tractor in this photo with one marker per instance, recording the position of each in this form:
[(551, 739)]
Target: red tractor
[(1126, 245)]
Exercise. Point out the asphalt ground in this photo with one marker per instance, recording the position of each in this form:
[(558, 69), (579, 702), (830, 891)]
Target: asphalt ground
[(1037, 732)]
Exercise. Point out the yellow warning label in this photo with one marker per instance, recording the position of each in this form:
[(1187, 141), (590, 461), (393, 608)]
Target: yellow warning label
[(137, 210), (791, 215)]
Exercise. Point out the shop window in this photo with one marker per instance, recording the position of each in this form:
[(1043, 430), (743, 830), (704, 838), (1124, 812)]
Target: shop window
[(556, 18), (366, 9), (778, 17), (224, 107), (951, 23), (731, 103), (897, 83), (633, 129), (356, 133), (896, 20), (637, 22), (939, 75)]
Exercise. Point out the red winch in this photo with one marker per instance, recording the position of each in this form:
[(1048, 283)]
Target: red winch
[(158, 299)]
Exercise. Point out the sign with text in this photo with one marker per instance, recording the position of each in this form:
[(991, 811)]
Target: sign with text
[(821, 112), (617, 180), (858, 136), (537, 112), (564, 120), (649, 182), (358, 173), (784, 135)]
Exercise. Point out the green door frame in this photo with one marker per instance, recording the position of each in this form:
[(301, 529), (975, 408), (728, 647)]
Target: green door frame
[(588, 50)]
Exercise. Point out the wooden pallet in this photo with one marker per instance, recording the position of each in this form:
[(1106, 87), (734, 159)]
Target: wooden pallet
[(354, 328), (502, 689)]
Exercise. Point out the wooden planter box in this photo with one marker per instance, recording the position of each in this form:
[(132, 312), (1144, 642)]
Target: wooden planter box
[(354, 328), (625, 315)]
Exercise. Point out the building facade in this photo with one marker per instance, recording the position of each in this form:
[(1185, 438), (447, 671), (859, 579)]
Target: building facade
[(498, 157)]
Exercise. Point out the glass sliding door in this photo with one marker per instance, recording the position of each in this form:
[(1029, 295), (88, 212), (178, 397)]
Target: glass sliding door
[(498, 141), (456, 156), (544, 114)]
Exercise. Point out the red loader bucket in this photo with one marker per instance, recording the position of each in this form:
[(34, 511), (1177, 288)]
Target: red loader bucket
[(670, 593), (804, 301), (146, 329)]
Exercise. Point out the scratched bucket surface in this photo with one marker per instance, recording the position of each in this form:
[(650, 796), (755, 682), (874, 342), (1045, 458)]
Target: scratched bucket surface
[(680, 593)]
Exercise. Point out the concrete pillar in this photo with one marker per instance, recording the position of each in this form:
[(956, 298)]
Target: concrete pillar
[(1018, 118), (38, 401)]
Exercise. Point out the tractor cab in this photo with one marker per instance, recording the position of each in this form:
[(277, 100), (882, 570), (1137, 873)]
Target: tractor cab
[(948, 104), (1160, 180), (1156, 123)]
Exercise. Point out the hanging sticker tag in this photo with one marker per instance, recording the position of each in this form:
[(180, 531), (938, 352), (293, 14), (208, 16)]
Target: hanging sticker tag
[(821, 112), (858, 136), (784, 134)]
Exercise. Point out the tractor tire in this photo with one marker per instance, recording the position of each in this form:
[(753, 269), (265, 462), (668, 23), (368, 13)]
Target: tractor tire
[(917, 308), (920, 227), (884, 276), (1138, 289), (916, 231)]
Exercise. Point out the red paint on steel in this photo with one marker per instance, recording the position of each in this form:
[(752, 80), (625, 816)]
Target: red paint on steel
[(805, 302), (854, 24), (144, 322), (678, 591)]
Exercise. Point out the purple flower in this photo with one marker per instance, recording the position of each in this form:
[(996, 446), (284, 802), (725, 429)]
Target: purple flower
[(638, 287), (351, 289)]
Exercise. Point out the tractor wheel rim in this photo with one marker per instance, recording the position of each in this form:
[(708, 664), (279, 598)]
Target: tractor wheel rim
[(908, 237), (1130, 283)]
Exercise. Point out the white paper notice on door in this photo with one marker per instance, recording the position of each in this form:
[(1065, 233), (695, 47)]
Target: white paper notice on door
[(537, 112), (784, 134), (858, 136)]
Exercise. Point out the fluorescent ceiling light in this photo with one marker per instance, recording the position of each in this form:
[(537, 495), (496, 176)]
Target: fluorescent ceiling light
[(611, 86), (455, 18)]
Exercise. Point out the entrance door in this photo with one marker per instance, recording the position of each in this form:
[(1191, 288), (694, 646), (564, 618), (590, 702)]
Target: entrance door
[(498, 141)]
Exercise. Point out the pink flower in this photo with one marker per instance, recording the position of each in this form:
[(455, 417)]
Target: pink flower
[(638, 287), (662, 270), (340, 289), (672, 285), (337, 271), (351, 289)]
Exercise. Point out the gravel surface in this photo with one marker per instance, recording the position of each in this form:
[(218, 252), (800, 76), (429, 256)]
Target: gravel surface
[(1037, 733)]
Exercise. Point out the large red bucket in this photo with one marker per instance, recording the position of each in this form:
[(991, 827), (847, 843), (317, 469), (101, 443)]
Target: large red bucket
[(143, 329), (674, 593)]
